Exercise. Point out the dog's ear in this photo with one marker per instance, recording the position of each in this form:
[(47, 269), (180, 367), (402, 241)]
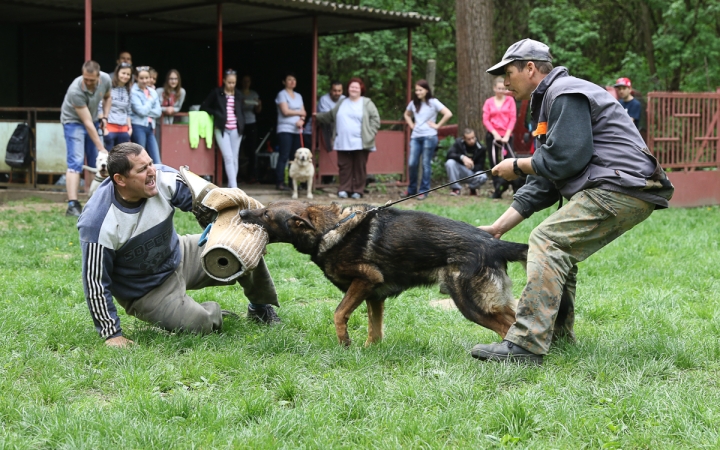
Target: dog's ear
[(301, 222)]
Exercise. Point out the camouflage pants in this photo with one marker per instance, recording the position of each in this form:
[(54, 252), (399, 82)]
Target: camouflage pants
[(588, 222)]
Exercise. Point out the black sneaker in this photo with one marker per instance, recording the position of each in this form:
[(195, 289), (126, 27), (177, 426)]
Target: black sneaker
[(263, 314), (473, 191), (229, 314), (74, 209), (505, 351)]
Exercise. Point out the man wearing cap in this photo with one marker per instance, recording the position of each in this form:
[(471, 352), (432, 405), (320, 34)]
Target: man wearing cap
[(623, 88), (588, 153)]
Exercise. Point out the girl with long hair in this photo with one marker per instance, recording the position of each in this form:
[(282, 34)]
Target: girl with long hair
[(499, 117), (172, 96), (424, 108), (225, 104), (119, 125), (145, 110)]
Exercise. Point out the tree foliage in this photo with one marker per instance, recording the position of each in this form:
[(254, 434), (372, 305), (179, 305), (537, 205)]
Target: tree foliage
[(665, 45)]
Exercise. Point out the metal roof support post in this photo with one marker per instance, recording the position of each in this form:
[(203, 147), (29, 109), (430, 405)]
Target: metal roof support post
[(408, 97), (314, 92), (88, 30), (219, 44), (408, 94)]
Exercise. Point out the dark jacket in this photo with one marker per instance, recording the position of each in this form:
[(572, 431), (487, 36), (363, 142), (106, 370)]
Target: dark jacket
[(216, 105), (477, 153), (584, 140)]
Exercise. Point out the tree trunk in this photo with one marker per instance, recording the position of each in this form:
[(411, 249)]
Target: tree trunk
[(474, 56)]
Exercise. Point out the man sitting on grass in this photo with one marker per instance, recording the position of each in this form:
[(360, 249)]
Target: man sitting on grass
[(465, 157), (132, 252)]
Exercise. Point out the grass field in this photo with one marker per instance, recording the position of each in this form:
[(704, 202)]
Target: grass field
[(645, 372)]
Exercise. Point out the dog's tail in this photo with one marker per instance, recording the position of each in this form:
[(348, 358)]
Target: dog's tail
[(513, 251)]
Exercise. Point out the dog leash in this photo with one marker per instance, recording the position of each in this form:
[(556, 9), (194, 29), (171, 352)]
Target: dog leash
[(390, 203)]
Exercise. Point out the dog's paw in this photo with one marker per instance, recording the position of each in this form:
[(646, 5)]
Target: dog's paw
[(310, 196), (294, 196)]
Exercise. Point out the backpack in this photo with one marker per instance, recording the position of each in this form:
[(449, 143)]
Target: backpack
[(18, 148)]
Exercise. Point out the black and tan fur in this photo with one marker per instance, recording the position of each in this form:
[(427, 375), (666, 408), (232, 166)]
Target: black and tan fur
[(379, 254)]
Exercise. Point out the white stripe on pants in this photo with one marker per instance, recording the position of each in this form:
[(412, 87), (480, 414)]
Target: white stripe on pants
[(229, 143)]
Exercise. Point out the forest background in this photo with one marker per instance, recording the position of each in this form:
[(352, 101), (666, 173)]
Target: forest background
[(661, 45)]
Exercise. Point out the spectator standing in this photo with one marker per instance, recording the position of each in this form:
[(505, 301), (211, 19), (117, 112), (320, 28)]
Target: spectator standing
[(326, 103), (225, 104), (355, 122), (423, 140), (466, 157), (153, 78), (632, 106), (172, 96), (124, 57), (290, 122), (79, 117), (131, 252), (251, 107), (499, 117), (119, 125), (145, 110)]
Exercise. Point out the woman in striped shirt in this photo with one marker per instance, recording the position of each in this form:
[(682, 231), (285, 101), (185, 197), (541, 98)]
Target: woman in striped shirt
[(225, 104)]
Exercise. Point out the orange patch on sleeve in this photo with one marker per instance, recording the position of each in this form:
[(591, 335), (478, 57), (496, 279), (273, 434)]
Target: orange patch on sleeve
[(541, 129)]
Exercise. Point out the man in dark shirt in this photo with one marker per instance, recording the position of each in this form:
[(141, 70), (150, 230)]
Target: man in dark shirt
[(623, 88), (588, 153), (465, 157)]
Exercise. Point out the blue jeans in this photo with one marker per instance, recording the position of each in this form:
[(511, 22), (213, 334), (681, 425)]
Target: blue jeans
[(79, 147), (145, 136), (424, 145), (113, 139), (287, 142)]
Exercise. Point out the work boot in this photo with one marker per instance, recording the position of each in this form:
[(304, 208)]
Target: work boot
[(263, 314), (505, 351), (74, 209)]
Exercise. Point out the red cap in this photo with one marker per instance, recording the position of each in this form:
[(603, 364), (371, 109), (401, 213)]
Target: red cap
[(623, 82)]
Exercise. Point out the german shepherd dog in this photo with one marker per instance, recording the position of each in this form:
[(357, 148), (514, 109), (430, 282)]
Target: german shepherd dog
[(371, 255)]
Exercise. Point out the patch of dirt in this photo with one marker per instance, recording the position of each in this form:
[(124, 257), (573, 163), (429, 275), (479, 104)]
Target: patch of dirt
[(446, 303), (32, 207)]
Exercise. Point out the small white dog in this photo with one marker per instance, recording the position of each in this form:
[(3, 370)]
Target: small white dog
[(302, 170), (100, 170)]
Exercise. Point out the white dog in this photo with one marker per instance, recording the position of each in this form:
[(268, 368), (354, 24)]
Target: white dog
[(100, 170), (302, 170)]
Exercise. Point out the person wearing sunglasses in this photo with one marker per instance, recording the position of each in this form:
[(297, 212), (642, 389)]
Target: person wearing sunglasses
[(145, 110), (172, 96), (225, 104)]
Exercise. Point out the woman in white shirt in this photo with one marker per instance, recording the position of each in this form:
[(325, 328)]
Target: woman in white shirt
[(290, 122), (356, 122), (424, 108)]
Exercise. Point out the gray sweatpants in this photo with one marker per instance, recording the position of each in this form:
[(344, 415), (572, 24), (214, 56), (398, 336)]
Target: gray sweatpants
[(456, 170), (169, 307)]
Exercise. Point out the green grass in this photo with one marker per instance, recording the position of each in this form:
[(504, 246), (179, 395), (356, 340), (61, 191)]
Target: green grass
[(644, 373)]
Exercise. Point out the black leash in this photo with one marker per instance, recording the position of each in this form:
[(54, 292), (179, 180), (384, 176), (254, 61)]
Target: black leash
[(389, 203)]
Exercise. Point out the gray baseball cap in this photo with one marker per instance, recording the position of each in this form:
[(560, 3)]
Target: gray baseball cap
[(525, 50)]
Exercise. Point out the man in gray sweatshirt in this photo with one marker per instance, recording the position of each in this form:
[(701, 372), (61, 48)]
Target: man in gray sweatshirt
[(587, 153)]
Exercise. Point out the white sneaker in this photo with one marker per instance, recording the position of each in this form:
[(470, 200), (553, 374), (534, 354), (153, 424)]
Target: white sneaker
[(342, 194), (356, 196)]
